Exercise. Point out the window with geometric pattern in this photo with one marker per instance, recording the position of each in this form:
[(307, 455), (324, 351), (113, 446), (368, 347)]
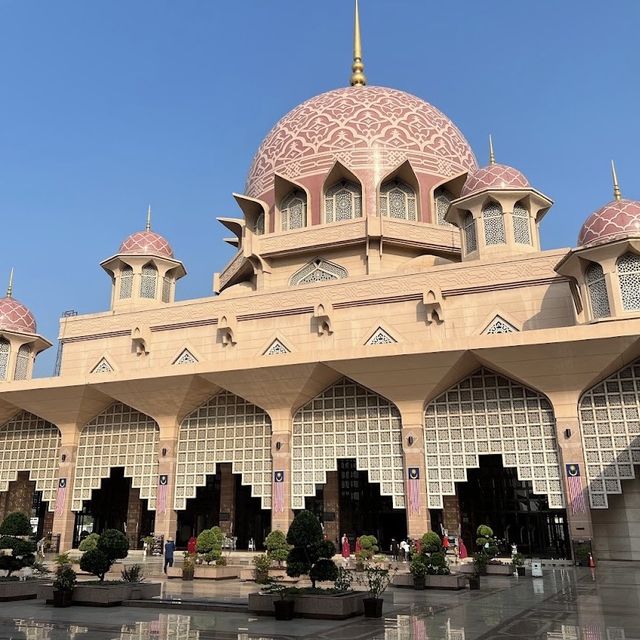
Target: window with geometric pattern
[(629, 280), (103, 366), (29, 443), (610, 425), (5, 349), (398, 200), (597, 286), (493, 224), (186, 357), (347, 421), (470, 237), (22, 362), (499, 325), (442, 199), (166, 289), (343, 201), (293, 211), (228, 429), (276, 348), (521, 228), (318, 270), (380, 336), (126, 282), (149, 282), (487, 413), (258, 228)]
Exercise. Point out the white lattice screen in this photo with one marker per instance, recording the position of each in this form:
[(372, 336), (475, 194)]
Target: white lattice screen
[(119, 437), (347, 421), (488, 414), (28, 443), (224, 429), (610, 422)]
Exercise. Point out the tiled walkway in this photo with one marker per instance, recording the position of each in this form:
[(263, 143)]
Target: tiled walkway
[(568, 604)]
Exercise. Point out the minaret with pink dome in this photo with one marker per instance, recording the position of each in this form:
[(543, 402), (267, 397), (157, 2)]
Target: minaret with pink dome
[(20, 342), (144, 272)]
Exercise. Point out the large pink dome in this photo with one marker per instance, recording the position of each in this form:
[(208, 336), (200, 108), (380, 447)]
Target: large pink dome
[(14, 316), (494, 176), (364, 128), (147, 243), (617, 219)]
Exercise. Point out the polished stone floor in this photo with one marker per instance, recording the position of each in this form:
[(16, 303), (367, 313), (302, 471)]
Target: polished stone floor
[(567, 604)]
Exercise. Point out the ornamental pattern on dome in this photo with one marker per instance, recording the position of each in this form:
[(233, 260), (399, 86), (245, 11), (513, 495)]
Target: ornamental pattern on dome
[(14, 316), (361, 127), (498, 176), (615, 220), (148, 243)]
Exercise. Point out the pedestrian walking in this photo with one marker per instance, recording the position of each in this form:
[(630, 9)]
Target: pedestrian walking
[(169, 548)]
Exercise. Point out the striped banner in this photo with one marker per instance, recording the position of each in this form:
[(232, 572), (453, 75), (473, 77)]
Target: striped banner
[(163, 488), (574, 486), (278, 491), (414, 489), (61, 496)]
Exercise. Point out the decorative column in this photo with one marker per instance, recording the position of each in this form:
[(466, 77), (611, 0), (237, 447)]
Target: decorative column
[(166, 523), (281, 512), (64, 518), (415, 476)]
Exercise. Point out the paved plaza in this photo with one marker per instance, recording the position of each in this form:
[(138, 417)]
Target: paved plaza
[(567, 604)]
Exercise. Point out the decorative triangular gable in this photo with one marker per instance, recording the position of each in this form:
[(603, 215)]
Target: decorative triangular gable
[(380, 336), (186, 357), (102, 367), (276, 348), (499, 325)]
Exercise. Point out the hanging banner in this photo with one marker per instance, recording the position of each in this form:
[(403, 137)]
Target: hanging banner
[(278, 491), (61, 496), (414, 489), (163, 487), (576, 493)]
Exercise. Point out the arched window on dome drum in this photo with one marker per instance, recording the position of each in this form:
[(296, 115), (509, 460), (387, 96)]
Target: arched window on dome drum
[(343, 201), (149, 281), (469, 229), (597, 286), (5, 348), (629, 281), (258, 227), (293, 211), (126, 282), (442, 199), (521, 225), (166, 289), (493, 224), (22, 362), (398, 200)]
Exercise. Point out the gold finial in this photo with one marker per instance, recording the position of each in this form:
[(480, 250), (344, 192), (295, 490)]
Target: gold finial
[(617, 194), (148, 227), (10, 287), (492, 155), (357, 76)]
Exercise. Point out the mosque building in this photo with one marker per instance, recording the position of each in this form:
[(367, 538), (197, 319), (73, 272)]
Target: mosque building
[(390, 348)]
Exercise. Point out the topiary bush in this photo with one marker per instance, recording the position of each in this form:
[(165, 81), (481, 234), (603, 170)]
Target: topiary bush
[(16, 524), (310, 549), (277, 546), (437, 564), (110, 546), (209, 544), (261, 571), (22, 551), (368, 547), (95, 562), (89, 543), (431, 542), (486, 541)]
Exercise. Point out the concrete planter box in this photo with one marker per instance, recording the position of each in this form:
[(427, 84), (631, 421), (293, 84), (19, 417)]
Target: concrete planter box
[(247, 574), (174, 572), (106, 595), (492, 569), (202, 571), (454, 581), (18, 590), (320, 607)]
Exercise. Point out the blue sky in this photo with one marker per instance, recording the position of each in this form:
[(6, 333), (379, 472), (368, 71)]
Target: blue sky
[(108, 105)]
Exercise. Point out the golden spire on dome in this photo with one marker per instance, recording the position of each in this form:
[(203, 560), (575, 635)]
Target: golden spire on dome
[(617, 194), (358, 79), (492, 155), (148, 227), (10, 287)]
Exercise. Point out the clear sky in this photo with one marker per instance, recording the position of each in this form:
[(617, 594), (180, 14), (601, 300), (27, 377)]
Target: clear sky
[(108, 105)]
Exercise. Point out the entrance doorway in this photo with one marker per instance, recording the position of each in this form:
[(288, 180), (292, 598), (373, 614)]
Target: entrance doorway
[(494, 496), (22, 496)]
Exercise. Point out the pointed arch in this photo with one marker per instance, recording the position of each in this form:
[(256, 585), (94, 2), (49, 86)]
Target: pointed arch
[(120, 436), (493, 220), (126, 282), (598, 293), (222, 430), (628, 269), (398, 200), (22, 362), (29, 443), (442, 198), (318, 270), (347, 420), (149, 281), (469, 233), (5, 350), (521, 223), (486, 413)]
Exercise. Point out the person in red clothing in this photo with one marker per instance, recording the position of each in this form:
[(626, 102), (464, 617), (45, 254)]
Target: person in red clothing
[(445, 543), (346, 548), (192, 546)]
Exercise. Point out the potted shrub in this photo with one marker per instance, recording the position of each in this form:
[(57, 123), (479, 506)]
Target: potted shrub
[(64, 582), (430, 542), (111, 546), (261, 565), (474, 580), (418, 569), (188, 566), (209, 544), (517, 561), (15, 532), (134, 573), (377, 581), (480, 561), (486, 541), (147, 542), (368, 548), (277, 547), (282, 606), (89, 543)]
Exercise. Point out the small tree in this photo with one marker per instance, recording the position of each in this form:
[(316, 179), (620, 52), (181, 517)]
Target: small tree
[(431, 542), (486, 541), (111, 546), (277, 547), (95, 562), (209, 544), (311, 554), (22, 551), (368, 547), (89, 543)]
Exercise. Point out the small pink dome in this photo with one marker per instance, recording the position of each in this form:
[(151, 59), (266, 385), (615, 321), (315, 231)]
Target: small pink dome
[(494, 176), (148, 243), (617, 219), (14, 316)]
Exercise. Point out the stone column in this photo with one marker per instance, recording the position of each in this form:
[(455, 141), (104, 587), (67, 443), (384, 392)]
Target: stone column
[(64, 521), (166, 522), (281, 426), (451, 515), (134, 510), (227, 499), (415, 476), (331, 505), (568, 434)]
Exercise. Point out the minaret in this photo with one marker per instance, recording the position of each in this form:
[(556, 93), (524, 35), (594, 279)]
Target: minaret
[(358, 79), (617, 194)]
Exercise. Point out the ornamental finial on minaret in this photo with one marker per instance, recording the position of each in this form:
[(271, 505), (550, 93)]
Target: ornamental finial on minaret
[(358, 79), (10, 287), (148, 227), (492, 155), (617, 194)]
